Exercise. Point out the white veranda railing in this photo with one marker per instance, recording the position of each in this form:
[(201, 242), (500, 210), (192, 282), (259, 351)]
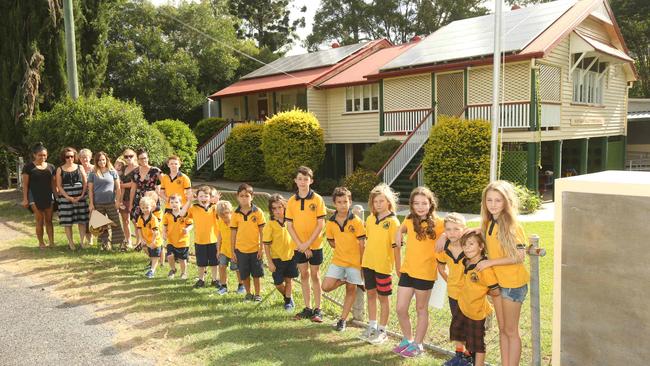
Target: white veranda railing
[(212, 147), (404, 121)]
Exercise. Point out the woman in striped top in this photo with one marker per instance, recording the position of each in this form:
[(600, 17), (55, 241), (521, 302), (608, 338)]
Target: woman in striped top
[(71, 184)]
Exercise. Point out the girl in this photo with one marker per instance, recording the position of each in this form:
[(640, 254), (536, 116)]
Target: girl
[(105, 197), (145, 178), (419, 272), (38, 188), (224, 250), (84, 160), (71, 184), (506, 245), (380, 255), (127, 166)]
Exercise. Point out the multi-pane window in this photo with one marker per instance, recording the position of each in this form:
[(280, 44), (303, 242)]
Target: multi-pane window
[(588, 80), (362, 98)]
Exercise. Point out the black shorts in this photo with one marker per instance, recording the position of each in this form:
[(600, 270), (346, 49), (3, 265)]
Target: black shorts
[(470, 331), (453, 327), (315, 260), (249, 265), (375, 280), (178, 253), (407, 281), (206, 254), (155, 252), (284, 269)]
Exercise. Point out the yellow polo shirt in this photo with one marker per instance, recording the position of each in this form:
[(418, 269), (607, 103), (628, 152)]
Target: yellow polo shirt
[(420, 257), (205, 219), (277, 236), (347, 252), (456, 268), (177, 185), (304, 212), (175, 229), (510, 275), (225, 232), (476, 285), (147, 227), (378, 254), (249, 226)]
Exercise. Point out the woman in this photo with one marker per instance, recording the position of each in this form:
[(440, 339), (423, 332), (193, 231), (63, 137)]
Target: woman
[(38, 189), (105, 197), (145, 178), (84, 159), (125, 165), (71, 185)]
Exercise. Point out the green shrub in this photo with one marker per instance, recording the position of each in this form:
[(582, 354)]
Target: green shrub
[(376, 155), (291, 139), (529, 201), (457, 162), (182, 141), (105, 123), (360, 183), (243, 153), (207, 127), (325, 186)]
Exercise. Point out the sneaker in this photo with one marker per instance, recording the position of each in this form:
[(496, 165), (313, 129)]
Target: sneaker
[(171, 274), (289, 306), (317, 316), (241, 289), (413, 350), (199, 284), (222, 290), (149, 274), (340, 325), (454, 361), (183, 276), (465, 360), (401, 346), (214, 284), (248, 297), (257, 298), (378, 337), (306, 313), (367, 334)]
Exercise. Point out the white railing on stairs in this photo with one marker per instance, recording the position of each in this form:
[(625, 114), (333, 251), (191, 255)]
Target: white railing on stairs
[(407, 150), (213, 145)]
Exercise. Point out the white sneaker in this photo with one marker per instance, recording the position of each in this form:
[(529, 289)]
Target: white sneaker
[(367, 334), (378, 337)]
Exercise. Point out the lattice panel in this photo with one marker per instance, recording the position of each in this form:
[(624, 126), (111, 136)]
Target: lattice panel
[(412, 92), (480, 86), (550, 83), (450, 95), (516, 79)]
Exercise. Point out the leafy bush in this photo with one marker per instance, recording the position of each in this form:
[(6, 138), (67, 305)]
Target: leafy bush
[(360, 183), (182, 141), (529, 201), (104, 123), (325, 186), (207, 127), (457, 162), (376, 155), (291, 139), (243, 153)]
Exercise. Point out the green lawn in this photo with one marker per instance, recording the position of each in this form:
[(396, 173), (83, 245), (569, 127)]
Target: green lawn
[(180, 324)]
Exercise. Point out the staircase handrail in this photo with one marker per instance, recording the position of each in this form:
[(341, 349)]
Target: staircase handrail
[(201, 152), (390, 159)]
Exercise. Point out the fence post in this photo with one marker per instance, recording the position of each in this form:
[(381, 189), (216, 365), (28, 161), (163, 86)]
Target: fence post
[(359, 306), (534, 252), (19, 171)]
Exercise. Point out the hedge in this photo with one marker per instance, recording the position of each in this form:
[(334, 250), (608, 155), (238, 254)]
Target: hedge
[(376, 155), (457, 162), (244, 160), (182, 141), (105, 123), (207, 127), (291, 139), (360, 183)]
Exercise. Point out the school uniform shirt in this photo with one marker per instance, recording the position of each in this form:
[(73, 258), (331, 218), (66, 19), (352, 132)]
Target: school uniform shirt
[(378, 254), (159, 215), (177, 185), (225, 232), (205, 219), (248, 227), (455, 272), (476, 285), (347, 252), (510, 275), (304, 212), (147, 227), (420, 258), (277, 236), (175, 229)]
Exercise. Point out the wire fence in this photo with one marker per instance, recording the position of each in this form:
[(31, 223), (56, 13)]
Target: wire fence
[(514, 163)]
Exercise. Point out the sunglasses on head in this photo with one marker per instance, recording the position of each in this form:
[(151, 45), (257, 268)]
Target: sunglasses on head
[(69, 156), (128, 156)]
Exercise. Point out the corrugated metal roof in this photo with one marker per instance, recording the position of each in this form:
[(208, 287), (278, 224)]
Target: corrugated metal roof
[(474, 37), (306, 61), (638, 115)]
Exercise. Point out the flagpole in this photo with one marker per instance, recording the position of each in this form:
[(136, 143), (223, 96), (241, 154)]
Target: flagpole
[(496, 71)]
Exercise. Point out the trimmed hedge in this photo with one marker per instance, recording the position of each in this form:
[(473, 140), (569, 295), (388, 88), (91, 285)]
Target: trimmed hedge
[(105, 123), (182, 141), (243, 153), (360, 183), (207, 127), (291, 139), (457, 162), (376, 155)]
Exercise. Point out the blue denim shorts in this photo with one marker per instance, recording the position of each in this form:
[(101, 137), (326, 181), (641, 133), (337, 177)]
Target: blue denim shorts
[(348, 274), (517, 294)]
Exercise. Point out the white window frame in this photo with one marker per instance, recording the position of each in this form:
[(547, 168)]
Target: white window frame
[(588, 85), (355, 97)]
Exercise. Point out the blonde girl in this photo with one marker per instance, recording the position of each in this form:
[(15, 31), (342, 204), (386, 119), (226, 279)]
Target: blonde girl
[(380, 256), (506, 245), (419, 270)]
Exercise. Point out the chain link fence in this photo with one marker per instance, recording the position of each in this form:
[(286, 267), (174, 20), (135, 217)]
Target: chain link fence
[(513, 165)]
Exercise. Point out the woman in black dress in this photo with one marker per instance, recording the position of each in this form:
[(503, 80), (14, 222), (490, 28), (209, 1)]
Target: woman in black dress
[(145, 178), (38, 192)]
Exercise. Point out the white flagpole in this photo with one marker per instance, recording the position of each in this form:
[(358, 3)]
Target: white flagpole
[(496, 70)]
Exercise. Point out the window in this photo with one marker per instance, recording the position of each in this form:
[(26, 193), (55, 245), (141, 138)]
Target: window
[(285, 102), (588, 79), (362, 98)]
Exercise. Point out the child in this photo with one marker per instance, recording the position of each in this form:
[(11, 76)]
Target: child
[(469, 325), (224, 250), (246, 238), (450, 267), (176, 227), (175, 182), (419, 270), (147, 231), (215, 196), (158, 212), (305, 215), (279, 250), (380, 255), (506, 245), (204, 217), (345, 233)]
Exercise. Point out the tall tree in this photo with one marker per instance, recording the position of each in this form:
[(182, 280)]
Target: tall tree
[(92, 23), (633, 17), (342, 21)]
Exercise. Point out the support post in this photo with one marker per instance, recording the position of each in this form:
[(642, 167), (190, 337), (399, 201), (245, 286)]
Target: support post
[(246, 115), (534, 252), (584, 155), (382, 125), (532, 179), (70, 49), (603, 153)]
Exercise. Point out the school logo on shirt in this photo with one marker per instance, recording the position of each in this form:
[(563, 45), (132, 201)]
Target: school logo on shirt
[(254, 219), (474, 277), (312, 206), (351, 229), (178, 182), (386, 225)]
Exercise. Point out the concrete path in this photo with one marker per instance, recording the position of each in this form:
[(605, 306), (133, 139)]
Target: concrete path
[(38, 329)]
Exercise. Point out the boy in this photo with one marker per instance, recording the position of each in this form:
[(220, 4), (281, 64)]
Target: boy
[(158, 213), (175, 182), (204, 217), (176, 227), (305, 217), (224, 250), (246, 237), (346, 235), (147, 233), (280, 250)]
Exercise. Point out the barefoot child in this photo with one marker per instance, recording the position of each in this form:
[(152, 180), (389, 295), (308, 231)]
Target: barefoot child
[(204, 216), (346, 235), (224, 250), (176, 228), (279, 250), (148, 233)]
